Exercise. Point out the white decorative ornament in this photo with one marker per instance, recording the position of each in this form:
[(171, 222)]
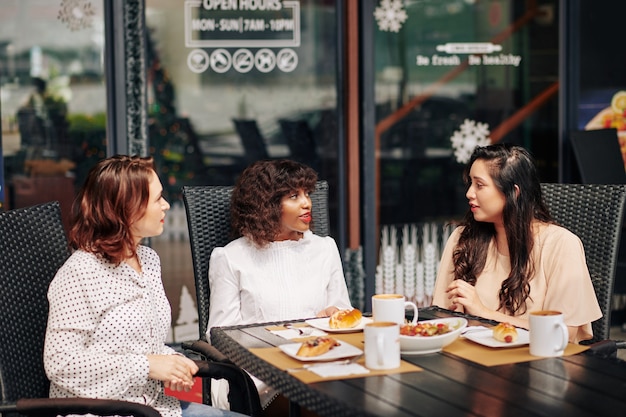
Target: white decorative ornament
[(390, 15), (429, 258), (378, 286), (76, 14), (399, 289), (420, 295), (470, 135), (409, 255), (388, 258)]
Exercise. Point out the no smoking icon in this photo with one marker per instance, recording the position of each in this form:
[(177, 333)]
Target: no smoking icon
[(243, 60), (287, 60)]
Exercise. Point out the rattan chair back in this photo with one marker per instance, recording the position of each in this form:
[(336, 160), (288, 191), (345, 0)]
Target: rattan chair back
[(32, 248), (208, 220), (594, 212)]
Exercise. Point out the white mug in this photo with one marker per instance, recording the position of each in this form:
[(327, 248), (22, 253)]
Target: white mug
[(382, 345), (391, 307), (548, 333)]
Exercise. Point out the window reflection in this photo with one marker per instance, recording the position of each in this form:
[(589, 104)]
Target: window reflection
[(53, 101), (220, 99), (214, 108), (454, 75)]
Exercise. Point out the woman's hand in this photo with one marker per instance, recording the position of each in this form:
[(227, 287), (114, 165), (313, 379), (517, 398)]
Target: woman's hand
[(463, 294), (327, 312), (176, 371), (463, 297)]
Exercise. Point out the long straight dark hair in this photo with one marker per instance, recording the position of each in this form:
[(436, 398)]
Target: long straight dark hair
[(509, 166)]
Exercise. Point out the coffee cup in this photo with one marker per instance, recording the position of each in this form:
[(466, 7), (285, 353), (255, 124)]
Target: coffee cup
[(391, 307), (382, 345), (548, 333)]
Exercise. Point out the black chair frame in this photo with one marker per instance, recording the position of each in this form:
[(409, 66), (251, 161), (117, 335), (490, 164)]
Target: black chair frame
[(593, 212), (208, 220), (33, 246)]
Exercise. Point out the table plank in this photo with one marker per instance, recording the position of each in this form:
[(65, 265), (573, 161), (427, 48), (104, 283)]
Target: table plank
[(508, 384), (386, 396)]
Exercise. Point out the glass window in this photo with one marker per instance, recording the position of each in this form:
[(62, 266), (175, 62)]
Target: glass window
[(53, 99), (451, 74), (229, 83), (602, 86)]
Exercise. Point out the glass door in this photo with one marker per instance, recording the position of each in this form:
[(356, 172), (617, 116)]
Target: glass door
[(229, 83), (53, 98), (450, 75)]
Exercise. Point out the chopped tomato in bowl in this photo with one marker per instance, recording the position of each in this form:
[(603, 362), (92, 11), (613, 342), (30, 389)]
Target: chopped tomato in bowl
[(431, 335)]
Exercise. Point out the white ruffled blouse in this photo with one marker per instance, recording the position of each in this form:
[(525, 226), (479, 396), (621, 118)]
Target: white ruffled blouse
[(292, 279)]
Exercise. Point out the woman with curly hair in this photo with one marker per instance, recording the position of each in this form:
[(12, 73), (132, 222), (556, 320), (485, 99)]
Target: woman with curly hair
[(508, 257), (109, 316), (276, 269)]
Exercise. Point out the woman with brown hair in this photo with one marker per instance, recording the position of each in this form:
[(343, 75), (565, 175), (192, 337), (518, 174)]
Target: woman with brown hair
[(509, 257), (109, 316)]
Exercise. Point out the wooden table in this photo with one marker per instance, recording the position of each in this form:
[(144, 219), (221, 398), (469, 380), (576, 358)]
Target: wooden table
[(579, 385)]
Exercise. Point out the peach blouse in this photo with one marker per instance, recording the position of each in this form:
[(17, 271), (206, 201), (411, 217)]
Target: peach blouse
[(561, 281)]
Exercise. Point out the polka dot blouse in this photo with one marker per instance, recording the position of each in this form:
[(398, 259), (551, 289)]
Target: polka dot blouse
[(104, 320)]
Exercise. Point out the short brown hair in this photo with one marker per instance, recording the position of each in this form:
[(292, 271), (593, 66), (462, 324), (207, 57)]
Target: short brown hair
[(114, 196), (256, 201)]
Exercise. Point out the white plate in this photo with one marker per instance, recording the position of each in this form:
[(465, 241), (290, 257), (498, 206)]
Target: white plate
[(420, 352), (485, 337), (322, 324), (344, 350)]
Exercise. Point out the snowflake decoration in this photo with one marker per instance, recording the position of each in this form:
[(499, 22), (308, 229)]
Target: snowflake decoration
[(470, 135), (76, 14), (390, 15)]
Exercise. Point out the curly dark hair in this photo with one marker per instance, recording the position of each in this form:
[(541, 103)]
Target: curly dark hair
[(114, 196), (509, 166), (256, 200)]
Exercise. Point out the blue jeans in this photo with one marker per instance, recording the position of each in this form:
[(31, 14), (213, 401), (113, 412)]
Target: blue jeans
[(191, 409)]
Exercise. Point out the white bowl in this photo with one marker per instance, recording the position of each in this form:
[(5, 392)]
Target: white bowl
[(418, 345)]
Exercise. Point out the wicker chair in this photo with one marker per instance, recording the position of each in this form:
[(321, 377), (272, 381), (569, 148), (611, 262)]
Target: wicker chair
[(593, 212), (252, 140), (32, 247), (208, 220), (301, 142)]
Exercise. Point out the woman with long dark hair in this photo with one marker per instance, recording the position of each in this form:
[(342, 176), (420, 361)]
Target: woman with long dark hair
[(508, 257)]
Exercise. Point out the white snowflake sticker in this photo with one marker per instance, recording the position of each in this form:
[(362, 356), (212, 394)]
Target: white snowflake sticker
[(76, 14), (390, 15), (470, 135)]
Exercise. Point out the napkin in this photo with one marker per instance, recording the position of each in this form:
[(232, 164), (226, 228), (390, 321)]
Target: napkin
[(291, 334), (334, 370)]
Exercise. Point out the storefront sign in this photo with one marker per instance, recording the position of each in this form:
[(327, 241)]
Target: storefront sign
[(480, 53), (242, 23)]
